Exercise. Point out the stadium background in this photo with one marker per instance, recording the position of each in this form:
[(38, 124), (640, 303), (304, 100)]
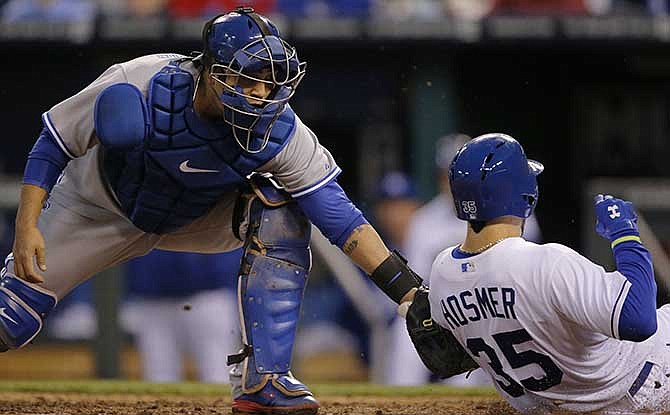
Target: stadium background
[(585, 86)]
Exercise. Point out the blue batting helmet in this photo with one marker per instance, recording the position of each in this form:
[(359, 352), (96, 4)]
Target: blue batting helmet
[(490, 177), (239, 45)]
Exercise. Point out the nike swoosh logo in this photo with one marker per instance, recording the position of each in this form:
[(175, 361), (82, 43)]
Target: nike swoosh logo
[(4, 315), (184, 167)]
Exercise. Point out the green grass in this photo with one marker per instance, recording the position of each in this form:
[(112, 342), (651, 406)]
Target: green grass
[(199, 389), (113, 387)]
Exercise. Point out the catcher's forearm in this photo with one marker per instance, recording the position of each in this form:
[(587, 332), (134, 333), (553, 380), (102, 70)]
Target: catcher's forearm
[(30, 206), (366, 248)]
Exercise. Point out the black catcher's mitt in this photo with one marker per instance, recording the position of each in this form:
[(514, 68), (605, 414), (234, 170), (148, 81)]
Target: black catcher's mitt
[(438, 348)]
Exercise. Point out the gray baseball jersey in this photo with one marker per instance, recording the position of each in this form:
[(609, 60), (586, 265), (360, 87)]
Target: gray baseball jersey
[(83, 226)]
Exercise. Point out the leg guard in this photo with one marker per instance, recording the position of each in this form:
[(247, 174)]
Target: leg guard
[(23, 306), (272, 279), (271, 283)]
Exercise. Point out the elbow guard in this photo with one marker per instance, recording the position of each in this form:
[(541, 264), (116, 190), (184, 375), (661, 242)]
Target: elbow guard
[(121, 117), (395, 278)]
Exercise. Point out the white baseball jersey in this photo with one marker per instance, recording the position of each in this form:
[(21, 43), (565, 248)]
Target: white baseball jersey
[(542, 320), (423, 243), (422, 246)]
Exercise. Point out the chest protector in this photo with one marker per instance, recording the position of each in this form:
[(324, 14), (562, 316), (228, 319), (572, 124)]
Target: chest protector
[(184, 165)]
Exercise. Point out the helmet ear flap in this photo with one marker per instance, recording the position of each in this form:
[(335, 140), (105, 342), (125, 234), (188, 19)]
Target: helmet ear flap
[(531, 201)]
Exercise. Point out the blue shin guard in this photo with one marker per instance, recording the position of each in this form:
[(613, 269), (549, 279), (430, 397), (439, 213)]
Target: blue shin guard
[(23, 306), (271, 283)]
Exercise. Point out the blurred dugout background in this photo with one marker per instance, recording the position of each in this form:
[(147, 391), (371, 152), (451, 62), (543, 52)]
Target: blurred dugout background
[(583, 84)]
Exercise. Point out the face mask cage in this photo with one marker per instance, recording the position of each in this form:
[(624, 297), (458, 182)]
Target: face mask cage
[(270, 61)]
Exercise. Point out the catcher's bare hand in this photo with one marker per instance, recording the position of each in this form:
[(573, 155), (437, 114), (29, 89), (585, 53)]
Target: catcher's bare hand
[(406, 302), (28, 244)]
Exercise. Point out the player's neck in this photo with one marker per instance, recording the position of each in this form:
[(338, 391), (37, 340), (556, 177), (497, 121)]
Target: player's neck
[(494, 232)]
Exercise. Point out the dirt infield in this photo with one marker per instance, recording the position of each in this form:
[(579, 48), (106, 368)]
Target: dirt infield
[(20, 403)]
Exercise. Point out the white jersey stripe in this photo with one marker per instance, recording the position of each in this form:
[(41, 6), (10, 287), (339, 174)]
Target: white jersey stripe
[(54, 133), (318, 185), (618, 306)]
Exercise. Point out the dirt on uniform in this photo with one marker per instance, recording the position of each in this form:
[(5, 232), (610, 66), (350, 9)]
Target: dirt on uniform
[(79, 404)]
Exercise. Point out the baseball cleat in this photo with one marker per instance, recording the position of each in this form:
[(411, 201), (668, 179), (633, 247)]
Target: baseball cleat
[(272, 400)]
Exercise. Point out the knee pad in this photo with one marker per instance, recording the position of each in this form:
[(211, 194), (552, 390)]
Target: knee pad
[(23, 306), (272, 279)]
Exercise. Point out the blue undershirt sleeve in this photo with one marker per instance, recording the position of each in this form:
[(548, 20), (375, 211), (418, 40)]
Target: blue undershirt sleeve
[(45, 162), (637, 321), (330, 210)]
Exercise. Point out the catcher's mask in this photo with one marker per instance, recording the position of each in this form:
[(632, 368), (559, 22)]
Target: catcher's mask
[(242, 45)]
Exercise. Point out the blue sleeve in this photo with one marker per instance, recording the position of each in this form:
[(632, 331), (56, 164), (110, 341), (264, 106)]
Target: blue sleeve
[(45, 163), (330, 210), (637, 321)]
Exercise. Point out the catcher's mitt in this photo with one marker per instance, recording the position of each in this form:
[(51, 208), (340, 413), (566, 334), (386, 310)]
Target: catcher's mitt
[(438, 348)]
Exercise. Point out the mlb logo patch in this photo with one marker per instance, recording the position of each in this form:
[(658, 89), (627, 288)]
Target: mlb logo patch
[(468, 267)]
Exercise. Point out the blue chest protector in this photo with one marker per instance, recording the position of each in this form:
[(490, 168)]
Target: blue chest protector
[(166, 166)]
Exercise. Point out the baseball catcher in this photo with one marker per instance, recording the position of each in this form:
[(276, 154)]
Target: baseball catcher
[(201, 154)]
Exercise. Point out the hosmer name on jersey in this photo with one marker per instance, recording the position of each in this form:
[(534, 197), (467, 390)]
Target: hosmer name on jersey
[(480, 303)]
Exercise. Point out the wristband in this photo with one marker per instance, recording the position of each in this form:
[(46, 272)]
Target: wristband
[(626, 238), (395, 278)]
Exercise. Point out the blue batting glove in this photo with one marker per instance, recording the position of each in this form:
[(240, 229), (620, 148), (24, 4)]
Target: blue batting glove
[(615, 219)]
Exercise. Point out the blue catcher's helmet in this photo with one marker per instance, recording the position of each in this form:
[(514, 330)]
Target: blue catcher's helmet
[(238, 45), (490, 177)]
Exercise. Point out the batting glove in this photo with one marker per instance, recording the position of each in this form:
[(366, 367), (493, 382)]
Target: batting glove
[(616, 220)]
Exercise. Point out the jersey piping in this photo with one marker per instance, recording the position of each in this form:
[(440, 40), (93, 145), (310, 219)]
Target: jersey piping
[(56, 135), (319, 184), (618, 306)]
